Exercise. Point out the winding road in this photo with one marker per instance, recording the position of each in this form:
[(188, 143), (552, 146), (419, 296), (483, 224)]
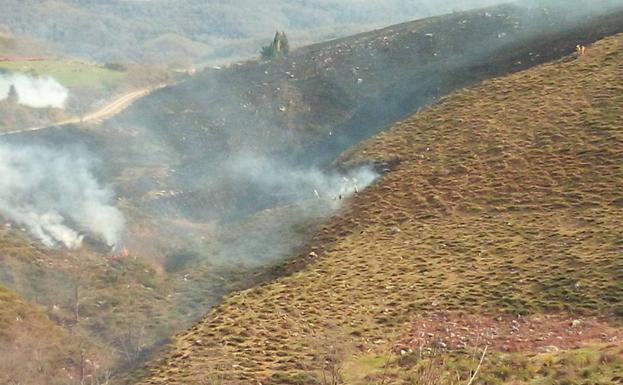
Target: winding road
[(109, 110)]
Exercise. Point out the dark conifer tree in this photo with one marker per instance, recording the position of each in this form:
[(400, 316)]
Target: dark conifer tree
[(12, 96)]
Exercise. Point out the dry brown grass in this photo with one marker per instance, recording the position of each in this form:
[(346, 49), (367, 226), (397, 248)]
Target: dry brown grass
[(506, 198), (32, 348)]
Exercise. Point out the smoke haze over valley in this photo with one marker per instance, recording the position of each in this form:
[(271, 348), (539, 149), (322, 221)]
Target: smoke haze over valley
[(226, 145), (213, 169)]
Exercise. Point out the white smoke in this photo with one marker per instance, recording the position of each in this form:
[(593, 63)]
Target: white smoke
[(34, 91), (54, 194), (279, 177)]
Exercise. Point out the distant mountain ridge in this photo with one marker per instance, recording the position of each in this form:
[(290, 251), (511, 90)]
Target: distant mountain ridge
[(183, 32)]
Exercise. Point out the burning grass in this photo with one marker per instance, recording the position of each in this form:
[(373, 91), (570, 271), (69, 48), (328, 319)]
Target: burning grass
[(505, 200)]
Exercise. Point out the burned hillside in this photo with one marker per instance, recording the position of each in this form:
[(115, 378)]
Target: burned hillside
[(305, 109), (226, 175)]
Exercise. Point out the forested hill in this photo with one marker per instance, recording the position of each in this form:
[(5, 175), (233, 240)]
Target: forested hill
[(180, 33)]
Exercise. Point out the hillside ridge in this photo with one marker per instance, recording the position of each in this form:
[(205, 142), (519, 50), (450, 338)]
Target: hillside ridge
[(503, 202)]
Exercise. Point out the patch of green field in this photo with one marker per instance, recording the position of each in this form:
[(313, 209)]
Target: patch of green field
[(71, 74), (588, 365), (595, 364)]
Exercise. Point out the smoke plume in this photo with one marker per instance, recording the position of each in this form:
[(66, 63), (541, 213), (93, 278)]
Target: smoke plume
[(34, 91), (54, 194), (305, 195), (276, 177)]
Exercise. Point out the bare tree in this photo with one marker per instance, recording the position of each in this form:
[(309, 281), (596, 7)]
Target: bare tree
[(331, 348)]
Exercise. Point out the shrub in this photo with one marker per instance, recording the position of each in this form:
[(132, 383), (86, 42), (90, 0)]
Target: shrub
[(278, 48)]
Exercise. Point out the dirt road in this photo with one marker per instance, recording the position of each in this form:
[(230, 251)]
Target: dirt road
[(109, 110)]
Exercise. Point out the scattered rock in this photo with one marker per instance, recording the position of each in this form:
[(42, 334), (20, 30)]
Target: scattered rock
[(394, 230), (550, 349), (575, 323)]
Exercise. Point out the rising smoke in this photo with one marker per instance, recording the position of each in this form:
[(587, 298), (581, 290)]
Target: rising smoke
[(292, 183), (34, 91), (301, 196), (54, 194)]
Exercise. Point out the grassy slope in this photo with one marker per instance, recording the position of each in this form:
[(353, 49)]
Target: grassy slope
[(34, 349), (15, 310), (68, 72), (122, 304), (11, 46), (505, 199), (126, 307)]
